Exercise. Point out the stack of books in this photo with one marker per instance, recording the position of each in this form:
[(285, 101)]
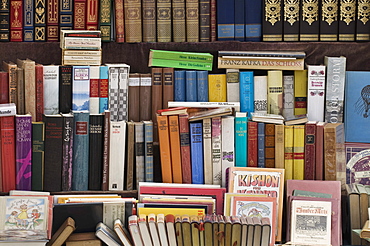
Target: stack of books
[(81, 47)]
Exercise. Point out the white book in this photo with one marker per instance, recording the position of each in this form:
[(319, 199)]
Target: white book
[(207, 151), (152, 223), (122, 233), (94, 89), (235, 105), (162, 230), (135, 230), (227, 146), (216, 150), (51, 89), (8, 109), (104, 233), (232, 85), (144, 230), (170, 225), (80, 43), (260, 93), (316, 92), (117, 155), (82, 53), (288, 96)]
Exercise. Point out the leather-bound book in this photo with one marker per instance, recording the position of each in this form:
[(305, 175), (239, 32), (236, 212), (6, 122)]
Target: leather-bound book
[(309, 20), (329, 20), (291, 20), (133, 23), (272, 22)]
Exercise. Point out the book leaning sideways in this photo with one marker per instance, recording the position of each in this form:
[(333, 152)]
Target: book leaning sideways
[(7, 109)]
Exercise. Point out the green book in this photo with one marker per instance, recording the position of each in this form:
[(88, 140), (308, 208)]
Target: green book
[(38, 139), (311, 194), (180, 64), (181, 56)]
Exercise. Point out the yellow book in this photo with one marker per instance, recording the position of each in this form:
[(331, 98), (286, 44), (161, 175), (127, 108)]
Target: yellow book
[(300, 92), (298, 149), (165, 211), (279, 146), (275, 92), (288, 151), (217, 91)]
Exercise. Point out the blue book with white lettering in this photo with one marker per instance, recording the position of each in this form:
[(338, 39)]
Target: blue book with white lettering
[(241, 133), (261, 144), (202, 86), (253, 20), (239, 19), (179, 86), (246, 91), (196, 154), (225, 20), (191, 86), (80, 166)]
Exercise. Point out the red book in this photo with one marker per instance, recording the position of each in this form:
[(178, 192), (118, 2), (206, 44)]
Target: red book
[(213, 21), (16, 20), (310, 150), (319, 169), (79, 13), (7, 130), (52, 28), (120, 26), (92, 14), (39, 91), (185, 148), (4, 87), (252, 144)]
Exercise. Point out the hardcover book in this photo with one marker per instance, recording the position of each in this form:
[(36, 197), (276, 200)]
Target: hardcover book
[(168, 84), (289, 151), (157, 95), (196, 154), (65, 89), (105, 162), (4, 85), (261, 144), (40, 20), (316, 92), (272, 20), (11, 69), (5, 22), (80, 88), (298, 151), (16, 20), (252, 144), (79, 13), (96, 131), (139, 153), (164, 21), (148, 150), (207, 151), (92, 10), (66, 15), (205, 20), (329, 20), (216, 149), (119, 21), (94, 90), (362, 24), (105, 16), (149, 21), (145, 96), (52, 21), (319, 175), (274, 92), (51, 89), (202, 86), (240, 139), (347, 20), (178, 21), (134, 97), (192, 20), (38, 157), (217, 88), (67, 152), (300, 92), (291, 21), (185, 148), (246, 89), (227, 147), (130, 156), (29, 77), (253, 21), (165, 149), (269, 145), (103, 89), (309, 23), (225, 20), (179, 86), (191, 86), (39, 91), (132, 20), (232, 85), (356, 154), (310, 151)]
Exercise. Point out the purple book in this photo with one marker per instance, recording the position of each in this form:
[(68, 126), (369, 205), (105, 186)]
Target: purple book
[(23, 151), (67, 152)]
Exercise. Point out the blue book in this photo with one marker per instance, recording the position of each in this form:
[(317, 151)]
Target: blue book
[(357, 103), (191, 85), (80, 164), (80, 88), (180, 86), (148, 151), (239, 19), (66, 15), (246, 91), (253, 20), (225, 20), (241, 133), (196, 146), (103, 99), (28, 21), (202, 85), (261, 144)]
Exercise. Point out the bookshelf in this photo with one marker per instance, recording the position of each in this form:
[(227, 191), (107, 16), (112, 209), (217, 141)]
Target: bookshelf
[(136, 54)]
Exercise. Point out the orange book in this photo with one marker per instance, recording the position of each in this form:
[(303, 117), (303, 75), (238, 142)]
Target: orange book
[(175, 148), (165, 149)]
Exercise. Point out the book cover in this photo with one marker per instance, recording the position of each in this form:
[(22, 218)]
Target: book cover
[(356, 112), (139, 153), (164, 21), (80, 167), (192, 20), (300, 92), (362, 25), (105, 19), (347, 20), (329, 20), (145, 96), (39, 91), (356, 154), (65, 89), (309, 23), (133, 21), (205, 20), (168, 84), (38, 138), (288, 95), (202, 86), (103, 89), (191, 91), (179, 86), (260, 93), (117, 141), (246, 86), (310, 150), (232, 85), (274, 92), (217, 88), (178, 21), (134, 97), (261, 144), (52, 21), (51, 89), (269, 145), (157, 84), (94, 90), (107, 235), (299, 153), (149, 21), (67, 152), (289, 151), (316, 92), (241, 133), (80, 88), (164, 144), (16, 20), (213, 15), (216, 149), (227, 146), (196, 154), (185, 148), (225, 20), (253, 21), (207, 150), (148, 150), (272, 20), (252, 144), (96, 131), (63, 232)]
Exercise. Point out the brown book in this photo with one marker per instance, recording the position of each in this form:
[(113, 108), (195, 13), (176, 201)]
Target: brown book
[(205, 20), (192, 20), (79, 13), (149, 21), (178, 21), (133, 24), (252, 144), (4, 87), (16, 20), (11, 68), (353, 199), (279, 146), (119, 21), (130, 156), (63, 232), (20, 91), (213, 21), (185, 148), (310, 150), (165, 149), (52, 26), (164, 21), (29, 76), (365, 231), (157, 80), (270, 145), (168, 81), (83, 239), (145, 103), (39, 91), (134, 97), (173, 121), (319, 168)]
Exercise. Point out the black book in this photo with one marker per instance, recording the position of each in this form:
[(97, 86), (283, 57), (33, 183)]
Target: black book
[(272, 23), (4, 21), (329, 20), (310, 20), (65, 89), (347, 20), (362, 20), (96, 151), (291, 20)]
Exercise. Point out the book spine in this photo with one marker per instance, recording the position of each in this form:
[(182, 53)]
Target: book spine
[(213, 21), (202, 86), (362, 24), (39, 91), (225, 20), (94, 90), (51, 89), (310, 151), (239, 20), (145, 96), (329, 20), (185, 148), (316, 93), (80, 88), (52, 22), (196, 146), (123, 90), (96, 135), (335, 81), (8, 155), (217, 88), (28, 20), (148, 151), (272, 24), (207, 150), (164, 21), (66, 15), (192, 20), (180, 64), (191, 86), (310, 21), (5, 21), (227, 146), (40, 20), (139, 153), (23, 151), (79, 13), (80, 167), (106, 146), (291, 20), (117, 142), (168, 84), (132, 20), (65, 89), (130, 156), (288, 95), (16, 20), (164, 144), (173, 121), (319, 160), (261, 144), (262, 63), (300, 92), (205, 20), (157, 80), (134, 97), (67, 152), (38, 138), (149, 20), (253, 20), (105, 16), (12, 73), (246, 92), (288, 151), (178, 21), (252, 144), (269, 145), (92, 9), (279, 146), (275, 92), (180, 86), (216, 149), (103, 89), (241, 141), (4, 86), (232, 85), (20, 91), (347, 20), (298, 149), (260, 94)]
